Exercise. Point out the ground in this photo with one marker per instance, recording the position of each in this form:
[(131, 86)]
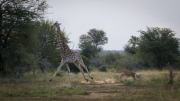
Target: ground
[(104, 87)]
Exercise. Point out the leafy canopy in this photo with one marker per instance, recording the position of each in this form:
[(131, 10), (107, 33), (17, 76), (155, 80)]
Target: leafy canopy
[(17, 38), (91, 43), (156, 47)]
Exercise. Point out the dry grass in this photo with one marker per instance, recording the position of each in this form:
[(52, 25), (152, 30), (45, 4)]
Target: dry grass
[(106, 86)]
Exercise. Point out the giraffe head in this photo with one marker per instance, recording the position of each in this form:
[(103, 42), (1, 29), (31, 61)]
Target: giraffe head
[(56, 25)]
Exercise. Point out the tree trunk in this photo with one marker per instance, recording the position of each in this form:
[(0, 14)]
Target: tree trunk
[(170, 74), (2, 70)]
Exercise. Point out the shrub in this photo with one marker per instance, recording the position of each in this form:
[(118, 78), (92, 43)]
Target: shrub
[(103, 68)]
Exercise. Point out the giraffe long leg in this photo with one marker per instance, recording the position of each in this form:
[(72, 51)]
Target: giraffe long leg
[(84, 66), (68, 71), (62, 63), (79, 67)]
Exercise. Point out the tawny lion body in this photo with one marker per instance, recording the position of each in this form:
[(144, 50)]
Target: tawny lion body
[(124, 72)]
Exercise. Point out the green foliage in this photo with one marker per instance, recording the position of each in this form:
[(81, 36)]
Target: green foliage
[(48, 48), (116, 60), (129, 61), (111, 57), (86, 60), (88, 50), (131, 47), (97, 37), (154, 47), (103, 68), (47, 45), (31, 48), (91, 43), (18, 41), (158, 46), (97, 61), (20, 51)]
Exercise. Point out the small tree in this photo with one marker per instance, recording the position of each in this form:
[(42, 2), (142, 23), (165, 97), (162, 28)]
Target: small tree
[(91, 44)]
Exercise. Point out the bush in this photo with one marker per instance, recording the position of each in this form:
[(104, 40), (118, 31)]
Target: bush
[(97, 62), (103, 68)]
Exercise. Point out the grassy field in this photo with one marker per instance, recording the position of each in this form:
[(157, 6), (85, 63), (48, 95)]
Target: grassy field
[(106, 86)]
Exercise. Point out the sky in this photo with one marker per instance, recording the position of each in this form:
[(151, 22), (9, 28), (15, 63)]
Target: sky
[(119, 19)]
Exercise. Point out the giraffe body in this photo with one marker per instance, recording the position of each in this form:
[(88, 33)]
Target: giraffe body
[(68, 55), (71, 58)]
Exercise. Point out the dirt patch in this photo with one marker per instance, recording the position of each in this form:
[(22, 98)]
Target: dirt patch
[(104, 82), (97, 95), (101, 84), (100, 90)]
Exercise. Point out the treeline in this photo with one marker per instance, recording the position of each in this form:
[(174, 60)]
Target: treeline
[(155, 48)]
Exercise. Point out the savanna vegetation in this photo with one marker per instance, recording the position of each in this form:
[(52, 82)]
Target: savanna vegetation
[(106, 86), (29, 55)]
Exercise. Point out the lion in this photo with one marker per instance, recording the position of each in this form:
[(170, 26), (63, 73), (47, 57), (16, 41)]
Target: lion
[(124, 72)]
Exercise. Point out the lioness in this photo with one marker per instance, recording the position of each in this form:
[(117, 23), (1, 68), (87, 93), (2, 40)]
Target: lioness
[(124, 72)]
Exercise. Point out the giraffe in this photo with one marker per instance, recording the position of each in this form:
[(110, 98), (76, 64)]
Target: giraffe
[(68, 55)]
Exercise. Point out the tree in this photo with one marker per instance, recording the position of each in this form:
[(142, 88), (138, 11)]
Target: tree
[(47, 45), (91, 43), (17, 38), (158, 46), (132, 45)]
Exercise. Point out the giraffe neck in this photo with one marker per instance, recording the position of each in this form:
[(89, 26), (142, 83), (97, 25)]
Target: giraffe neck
[(61, 43)]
